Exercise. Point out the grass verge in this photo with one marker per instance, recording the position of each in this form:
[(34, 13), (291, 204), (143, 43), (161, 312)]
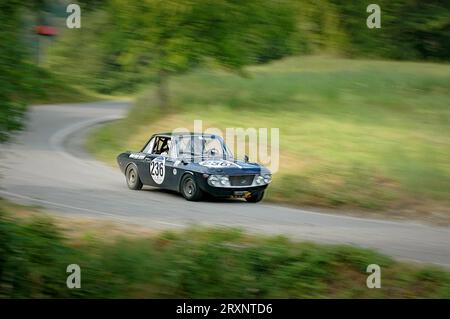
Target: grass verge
[(45, 87), (35, 250)]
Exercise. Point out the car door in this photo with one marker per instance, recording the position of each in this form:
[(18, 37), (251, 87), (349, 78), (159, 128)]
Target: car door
[(145, 157), (171, 168), (151, 166), (158, 163)]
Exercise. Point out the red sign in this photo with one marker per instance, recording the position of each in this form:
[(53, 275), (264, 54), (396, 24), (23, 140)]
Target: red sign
[(45, 30)]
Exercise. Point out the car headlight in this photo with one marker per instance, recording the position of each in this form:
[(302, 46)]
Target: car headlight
[(213, 180), (224, 181), (267, 178), (259, 180), (218, 180)]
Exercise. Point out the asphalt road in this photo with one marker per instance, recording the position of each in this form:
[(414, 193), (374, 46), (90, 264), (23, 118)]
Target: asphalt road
[(47, 166)]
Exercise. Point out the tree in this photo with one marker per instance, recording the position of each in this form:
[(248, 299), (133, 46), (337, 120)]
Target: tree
[(12, 69), (16, 71), (173, 36)]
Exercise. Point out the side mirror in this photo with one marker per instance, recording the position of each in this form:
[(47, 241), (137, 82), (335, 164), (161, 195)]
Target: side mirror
[(246, 158)]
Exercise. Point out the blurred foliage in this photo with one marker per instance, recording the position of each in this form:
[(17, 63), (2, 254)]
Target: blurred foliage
[(12, 69), (410, 29), (124, 43), (198, 263), (21, 80)]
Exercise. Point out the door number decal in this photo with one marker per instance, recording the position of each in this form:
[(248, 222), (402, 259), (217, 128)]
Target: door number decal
[(158, 169)]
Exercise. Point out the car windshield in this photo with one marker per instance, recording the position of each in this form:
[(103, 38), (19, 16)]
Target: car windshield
[(201, 146)]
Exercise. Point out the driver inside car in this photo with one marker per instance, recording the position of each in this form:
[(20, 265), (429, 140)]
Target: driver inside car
[(166, 147)]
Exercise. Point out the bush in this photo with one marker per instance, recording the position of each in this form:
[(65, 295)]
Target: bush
[(197, 263)]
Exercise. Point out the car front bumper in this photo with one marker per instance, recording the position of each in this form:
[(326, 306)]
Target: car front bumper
[(229, 191)]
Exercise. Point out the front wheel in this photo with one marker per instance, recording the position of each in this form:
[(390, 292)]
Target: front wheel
[(255, 197), (133, 180), (189, 188)]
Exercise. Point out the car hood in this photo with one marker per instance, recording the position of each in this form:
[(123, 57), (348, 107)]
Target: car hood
[(230, 167)]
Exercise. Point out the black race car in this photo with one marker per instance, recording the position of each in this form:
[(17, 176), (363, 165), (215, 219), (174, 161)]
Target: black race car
[(194, 164)]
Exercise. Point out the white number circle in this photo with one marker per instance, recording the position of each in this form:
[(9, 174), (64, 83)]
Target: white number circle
[(158, 169)]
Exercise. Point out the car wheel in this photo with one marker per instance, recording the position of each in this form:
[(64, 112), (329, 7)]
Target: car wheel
[(189, 188), (133, 180), (255, 197)]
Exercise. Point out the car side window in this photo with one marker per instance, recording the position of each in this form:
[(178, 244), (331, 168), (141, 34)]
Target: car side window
[(162, 145), (172, 149)]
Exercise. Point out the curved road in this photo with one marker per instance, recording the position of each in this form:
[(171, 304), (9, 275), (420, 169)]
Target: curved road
[(47, 166)]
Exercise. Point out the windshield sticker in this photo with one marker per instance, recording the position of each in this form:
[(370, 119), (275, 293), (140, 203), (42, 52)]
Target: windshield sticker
[(219, 164), (137, 156)]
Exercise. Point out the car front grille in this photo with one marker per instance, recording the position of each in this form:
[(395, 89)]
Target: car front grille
[(244, 180)]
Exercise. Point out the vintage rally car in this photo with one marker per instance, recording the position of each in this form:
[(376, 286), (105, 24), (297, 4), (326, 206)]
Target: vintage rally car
[(194, 164)]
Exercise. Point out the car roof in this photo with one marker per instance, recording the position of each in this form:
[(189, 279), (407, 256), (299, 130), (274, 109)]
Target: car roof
[(173, 134), (177, 134)]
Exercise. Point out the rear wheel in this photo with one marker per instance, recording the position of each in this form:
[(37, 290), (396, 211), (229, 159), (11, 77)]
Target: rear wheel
[(255, 197), (132, 176), (189, 188)]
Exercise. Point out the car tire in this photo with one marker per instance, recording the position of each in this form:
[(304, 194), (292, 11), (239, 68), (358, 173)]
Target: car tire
[(255, 197), (132, 177), (189, 188)]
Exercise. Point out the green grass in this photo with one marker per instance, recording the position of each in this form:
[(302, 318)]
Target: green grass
[(45, 87), (195, 263), (370, 135)]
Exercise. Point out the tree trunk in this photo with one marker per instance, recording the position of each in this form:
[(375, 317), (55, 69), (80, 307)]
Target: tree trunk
[(163, 89)]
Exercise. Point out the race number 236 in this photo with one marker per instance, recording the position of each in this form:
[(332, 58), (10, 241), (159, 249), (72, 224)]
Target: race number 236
[(157, 170)]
